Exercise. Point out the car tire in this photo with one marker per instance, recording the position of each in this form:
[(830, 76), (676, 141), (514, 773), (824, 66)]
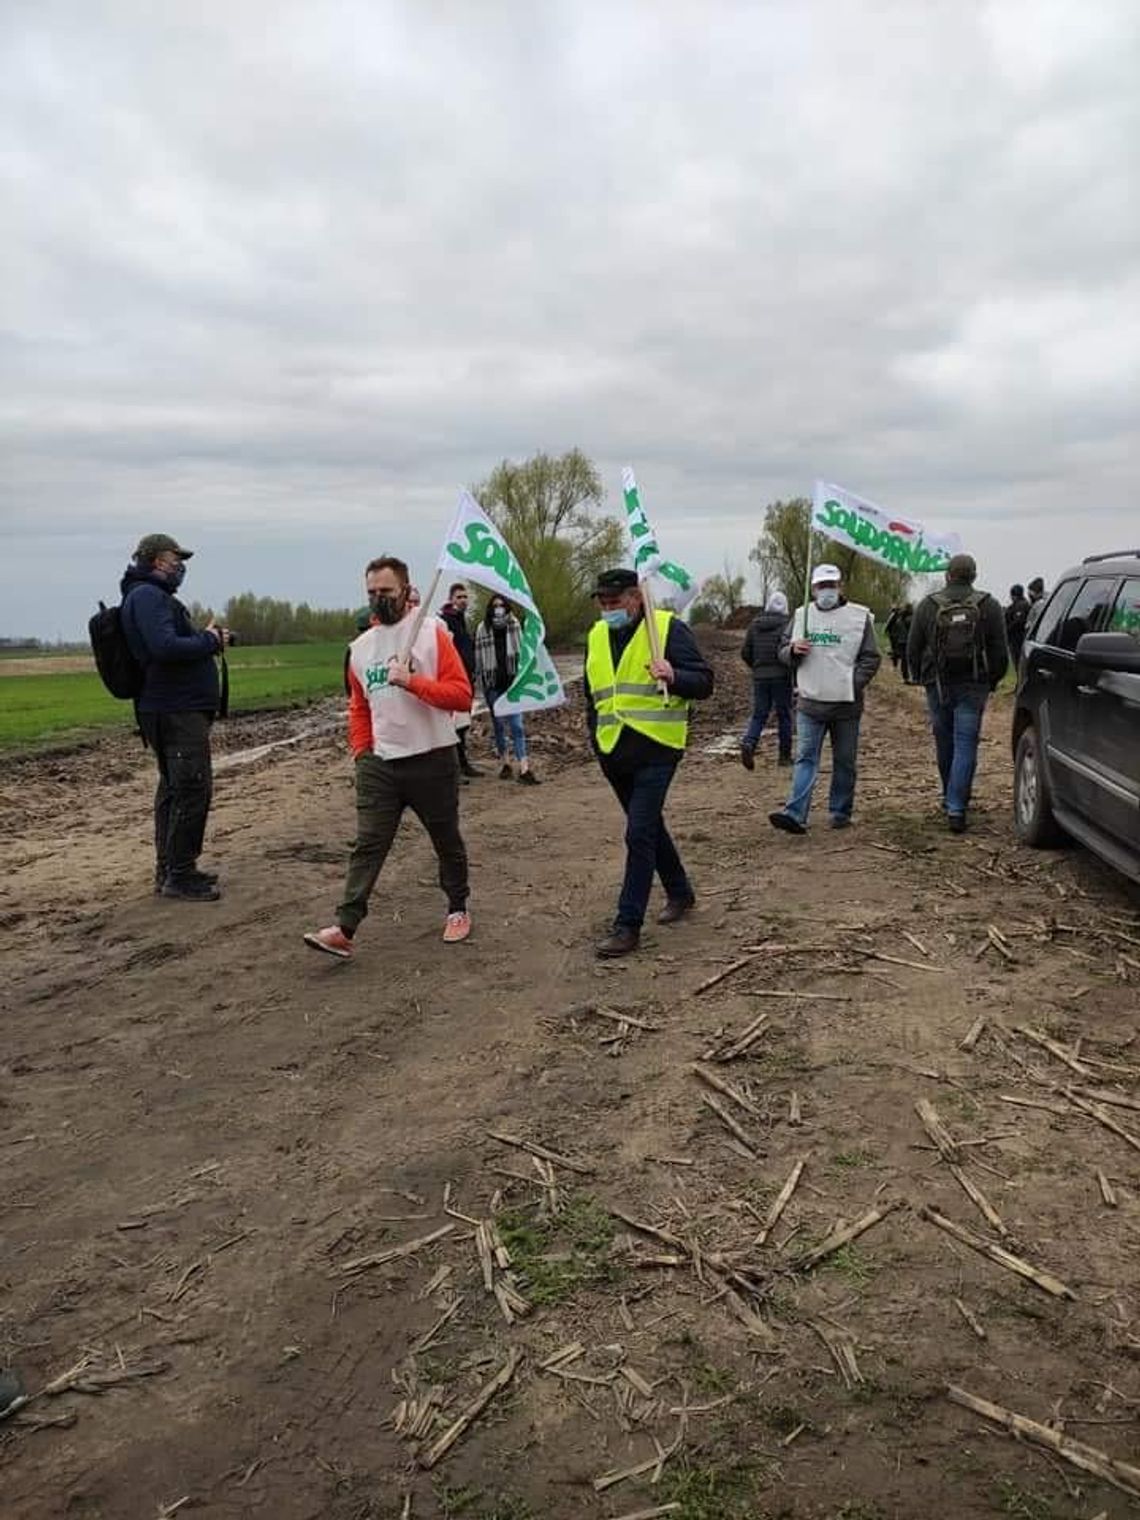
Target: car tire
[(1033, 820)]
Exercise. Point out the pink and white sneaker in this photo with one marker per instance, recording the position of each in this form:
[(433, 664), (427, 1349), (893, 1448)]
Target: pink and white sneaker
[(333, 941), (457, 928)]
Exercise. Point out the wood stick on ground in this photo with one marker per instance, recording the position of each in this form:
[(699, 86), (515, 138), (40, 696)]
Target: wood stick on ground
[(782, 1200), (615, 1017), (1053, 1047), (444, 1319), (1106, 1095), (1121, 1475), (997, 1254), (738, 1046), (651, 1230), (971, 1319), (1106, 1190), (916, 942), (1050, 1108), (731, 1125), (800, 997), (394, 1253), (998, 940), (566, 1354), (98, 1380), (944, 1141), (841, 1346), (894, 960), (974, 1033), (542, 1152), (840, 1238), (443, 1444), (710, 1079), (714, 981), (974, 1193), (651, 1514), (795, 1117), (1095, 1111)]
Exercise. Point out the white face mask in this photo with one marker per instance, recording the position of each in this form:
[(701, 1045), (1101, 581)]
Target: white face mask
[(827, 598)]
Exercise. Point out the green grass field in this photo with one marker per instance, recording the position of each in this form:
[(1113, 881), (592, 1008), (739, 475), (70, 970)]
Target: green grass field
[(39, 708)]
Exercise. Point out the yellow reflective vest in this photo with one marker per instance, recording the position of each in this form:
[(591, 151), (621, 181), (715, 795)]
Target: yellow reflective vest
[(629, 695)]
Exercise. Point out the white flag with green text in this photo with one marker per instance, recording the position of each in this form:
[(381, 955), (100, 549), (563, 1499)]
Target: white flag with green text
[(475, 550), (882, 536), (672, 585)]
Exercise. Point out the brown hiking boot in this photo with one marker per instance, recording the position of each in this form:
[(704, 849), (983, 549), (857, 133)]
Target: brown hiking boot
[(621, 941), (676, 908)]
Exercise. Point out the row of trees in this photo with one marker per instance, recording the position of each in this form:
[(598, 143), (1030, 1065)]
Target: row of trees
[(264, 620)]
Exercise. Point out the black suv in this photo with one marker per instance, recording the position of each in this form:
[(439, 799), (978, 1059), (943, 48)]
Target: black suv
[(1076, 721)]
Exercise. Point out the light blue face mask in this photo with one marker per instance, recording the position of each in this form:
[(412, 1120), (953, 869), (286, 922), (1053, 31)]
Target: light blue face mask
[(827, 598), (615, 617)]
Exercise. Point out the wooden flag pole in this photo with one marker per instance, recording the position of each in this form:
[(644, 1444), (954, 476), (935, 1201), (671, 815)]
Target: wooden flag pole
[(652, 629), (418, 620)]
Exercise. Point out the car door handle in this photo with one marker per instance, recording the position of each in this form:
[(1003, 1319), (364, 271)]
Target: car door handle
[(1089, 691), (1045, 674)]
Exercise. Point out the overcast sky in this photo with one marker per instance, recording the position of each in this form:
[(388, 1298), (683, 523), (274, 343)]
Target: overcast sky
[(279, 278)]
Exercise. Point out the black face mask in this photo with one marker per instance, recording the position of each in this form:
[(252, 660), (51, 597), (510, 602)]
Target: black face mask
[(389, 609)]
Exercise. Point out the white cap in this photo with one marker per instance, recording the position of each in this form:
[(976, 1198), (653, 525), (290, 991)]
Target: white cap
[(777, 602), (823, 573)]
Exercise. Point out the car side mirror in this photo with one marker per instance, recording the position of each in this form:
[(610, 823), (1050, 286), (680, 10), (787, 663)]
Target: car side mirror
[(1109, 651)]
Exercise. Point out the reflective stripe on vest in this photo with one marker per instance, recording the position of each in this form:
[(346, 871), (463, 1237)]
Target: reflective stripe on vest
[(620, 700)]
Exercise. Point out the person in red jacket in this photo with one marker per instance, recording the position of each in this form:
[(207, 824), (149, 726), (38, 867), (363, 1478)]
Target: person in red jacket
[(402, 735)]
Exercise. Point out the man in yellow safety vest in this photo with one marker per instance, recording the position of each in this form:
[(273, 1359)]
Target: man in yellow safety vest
[(638, 712)]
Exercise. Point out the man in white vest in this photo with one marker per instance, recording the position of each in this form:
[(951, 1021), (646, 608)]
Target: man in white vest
[(830, 646), (401, 729)]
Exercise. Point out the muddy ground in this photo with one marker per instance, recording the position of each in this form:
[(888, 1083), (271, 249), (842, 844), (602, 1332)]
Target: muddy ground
[(212, 1136)]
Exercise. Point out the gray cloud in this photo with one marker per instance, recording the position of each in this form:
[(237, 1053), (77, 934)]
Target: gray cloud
[(283, 277)]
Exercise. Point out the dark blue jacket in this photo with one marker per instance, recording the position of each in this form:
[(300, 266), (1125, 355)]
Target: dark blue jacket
[(180, 672)]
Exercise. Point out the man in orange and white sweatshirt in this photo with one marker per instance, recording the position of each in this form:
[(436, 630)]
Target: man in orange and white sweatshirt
[(402, 735)]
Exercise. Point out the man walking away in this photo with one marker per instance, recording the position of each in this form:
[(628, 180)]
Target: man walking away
[(771, 681), (453, 615), (958, 649), (831, 648), (402, 735), (637, 709), (897, 630), (1036, 589), (176, 707), (1016, 619)]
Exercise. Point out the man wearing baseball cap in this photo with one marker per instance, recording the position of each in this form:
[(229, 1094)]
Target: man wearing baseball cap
[(178, 702), (637, 709), (830, 646)]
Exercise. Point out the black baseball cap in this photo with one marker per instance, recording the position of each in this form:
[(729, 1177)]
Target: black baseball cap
[(154, 544), (615, 580)]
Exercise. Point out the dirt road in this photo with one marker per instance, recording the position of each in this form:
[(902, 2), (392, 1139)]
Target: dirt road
[(212, 1138)]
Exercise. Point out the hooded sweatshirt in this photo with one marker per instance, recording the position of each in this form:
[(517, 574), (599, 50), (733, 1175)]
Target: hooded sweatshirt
[(761, 648), (180, 673)]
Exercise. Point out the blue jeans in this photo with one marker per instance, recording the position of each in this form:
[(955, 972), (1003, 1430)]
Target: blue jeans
[(956, 722), (809, 748), (514, 722), (766, 694), (648, 847)]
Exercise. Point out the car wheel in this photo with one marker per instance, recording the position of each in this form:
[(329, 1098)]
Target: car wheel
[(1033, 820)]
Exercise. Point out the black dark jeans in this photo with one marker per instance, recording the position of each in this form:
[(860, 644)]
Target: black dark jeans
[(181, 744), (429, 785), (648, 846)]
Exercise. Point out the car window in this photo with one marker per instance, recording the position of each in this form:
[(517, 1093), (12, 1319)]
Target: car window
[(1126, 611), (1049, 622), (1088, 612)]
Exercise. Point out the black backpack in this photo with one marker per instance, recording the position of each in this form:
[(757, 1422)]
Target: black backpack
[(121, 673), (959, 644)]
